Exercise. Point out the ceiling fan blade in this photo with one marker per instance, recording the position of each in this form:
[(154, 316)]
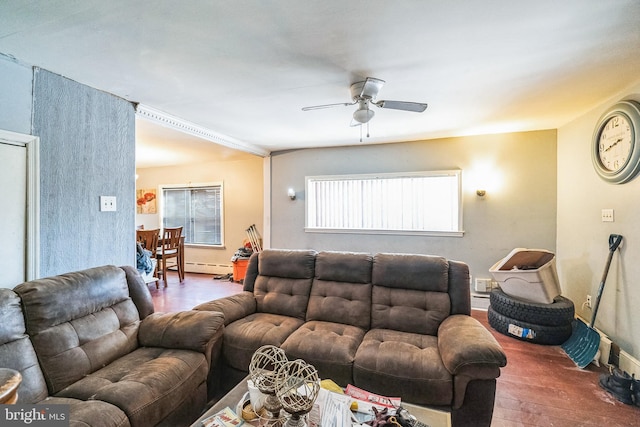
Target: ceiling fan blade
[(371, 87), (402, 105), (320, 107)]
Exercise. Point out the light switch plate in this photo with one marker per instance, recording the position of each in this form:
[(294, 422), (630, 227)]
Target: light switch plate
[(107, 203)]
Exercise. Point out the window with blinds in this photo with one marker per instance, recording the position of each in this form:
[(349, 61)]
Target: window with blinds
[(417, 202), (198, 210)]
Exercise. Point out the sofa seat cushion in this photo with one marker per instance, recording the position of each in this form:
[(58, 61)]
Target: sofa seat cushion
[(94, 413), (243, 337), (147, 384), (404, 364), (330, 347)]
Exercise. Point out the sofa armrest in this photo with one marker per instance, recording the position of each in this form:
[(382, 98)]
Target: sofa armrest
[(468, 348), (186, 330), (233, 307), (469, 352)]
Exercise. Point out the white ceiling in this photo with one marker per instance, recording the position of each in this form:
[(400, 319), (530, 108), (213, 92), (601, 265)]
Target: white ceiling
[(245, 68)]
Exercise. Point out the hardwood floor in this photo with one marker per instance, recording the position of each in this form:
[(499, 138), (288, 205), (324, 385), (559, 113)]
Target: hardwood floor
[(540, 386), (195, 289)]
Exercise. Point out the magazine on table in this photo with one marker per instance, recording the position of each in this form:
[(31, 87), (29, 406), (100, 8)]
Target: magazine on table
[(353, 407), (367, 400), (223, 418)]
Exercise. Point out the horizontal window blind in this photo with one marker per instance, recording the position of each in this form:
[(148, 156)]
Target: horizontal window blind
[(420, 201), (198, 210)]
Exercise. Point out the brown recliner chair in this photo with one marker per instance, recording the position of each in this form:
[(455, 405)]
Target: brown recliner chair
[(91, 340)]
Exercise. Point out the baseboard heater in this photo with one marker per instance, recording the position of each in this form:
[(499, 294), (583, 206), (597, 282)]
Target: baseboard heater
[(207, 268)]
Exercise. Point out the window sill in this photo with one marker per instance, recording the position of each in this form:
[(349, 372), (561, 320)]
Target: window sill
[(204, 246), (382, 232)]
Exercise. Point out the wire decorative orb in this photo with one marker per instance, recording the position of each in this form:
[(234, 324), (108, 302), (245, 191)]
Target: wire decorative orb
[(266, 363), (264, 367), (297, 388)]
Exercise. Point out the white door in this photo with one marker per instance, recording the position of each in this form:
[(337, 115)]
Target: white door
[(19, 208), (13, 214)]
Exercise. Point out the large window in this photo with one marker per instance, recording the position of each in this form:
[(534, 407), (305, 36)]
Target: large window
[(198, 210), (416, 202)]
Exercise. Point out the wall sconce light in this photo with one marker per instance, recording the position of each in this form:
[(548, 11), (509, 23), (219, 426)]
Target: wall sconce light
[(481, 193), (291, 193)]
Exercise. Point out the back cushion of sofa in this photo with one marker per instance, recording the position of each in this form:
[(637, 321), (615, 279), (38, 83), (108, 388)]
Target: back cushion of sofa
[(284, 281), (341, 290), (16, 350), (410, 293), (79, 322)]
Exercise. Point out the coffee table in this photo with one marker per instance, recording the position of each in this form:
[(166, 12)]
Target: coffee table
[(431, 417)]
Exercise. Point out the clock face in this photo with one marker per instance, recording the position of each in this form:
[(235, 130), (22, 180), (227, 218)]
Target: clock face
[(615, 143)]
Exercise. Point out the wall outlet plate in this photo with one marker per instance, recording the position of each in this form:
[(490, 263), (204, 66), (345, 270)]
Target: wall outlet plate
[(483, 285), (107, 203)]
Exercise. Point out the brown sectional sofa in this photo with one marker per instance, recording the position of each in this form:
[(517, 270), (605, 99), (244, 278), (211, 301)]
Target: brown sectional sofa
[(394, 324), (90, 339)]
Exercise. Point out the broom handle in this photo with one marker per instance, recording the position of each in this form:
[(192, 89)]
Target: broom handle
[(614, 242)]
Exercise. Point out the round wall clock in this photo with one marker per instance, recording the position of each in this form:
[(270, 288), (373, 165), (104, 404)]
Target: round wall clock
[(615, 148)]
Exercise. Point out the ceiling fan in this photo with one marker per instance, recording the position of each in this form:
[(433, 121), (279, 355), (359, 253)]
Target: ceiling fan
[(364, 94)]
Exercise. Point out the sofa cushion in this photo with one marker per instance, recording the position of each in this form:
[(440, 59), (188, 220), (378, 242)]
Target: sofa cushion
[(16, 350), (283, 296), (341, 291), (395, 363), (339, 302), (147, 384), (408, 271), (410, 293), (408, 310), (294, 264), (284, 282), (233, 307), (243, 337), (79, 322), (351, 267), (459, 289), (252, 272), (329, 347), (138, 291)]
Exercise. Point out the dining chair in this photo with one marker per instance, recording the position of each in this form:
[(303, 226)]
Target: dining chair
[(149, 240), (169, 248)]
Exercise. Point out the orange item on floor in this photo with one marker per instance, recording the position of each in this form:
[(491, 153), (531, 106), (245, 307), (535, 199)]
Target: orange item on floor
[(239, 269)]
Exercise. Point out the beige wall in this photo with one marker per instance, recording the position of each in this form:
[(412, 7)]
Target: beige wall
[(583, 238), (518, 211), (243, 204)]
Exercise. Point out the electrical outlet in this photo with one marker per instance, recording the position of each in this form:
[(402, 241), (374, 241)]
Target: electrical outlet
[(588, 302), (607, 215), (483, 285), (107, 203)]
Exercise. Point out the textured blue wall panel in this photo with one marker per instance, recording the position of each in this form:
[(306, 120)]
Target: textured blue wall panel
[(87, 150)]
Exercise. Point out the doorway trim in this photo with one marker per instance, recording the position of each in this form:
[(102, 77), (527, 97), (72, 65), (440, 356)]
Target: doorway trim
[(32, 144)]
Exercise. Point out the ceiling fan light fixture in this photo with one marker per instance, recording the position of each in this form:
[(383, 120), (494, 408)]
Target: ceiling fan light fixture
[(363, 115)]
